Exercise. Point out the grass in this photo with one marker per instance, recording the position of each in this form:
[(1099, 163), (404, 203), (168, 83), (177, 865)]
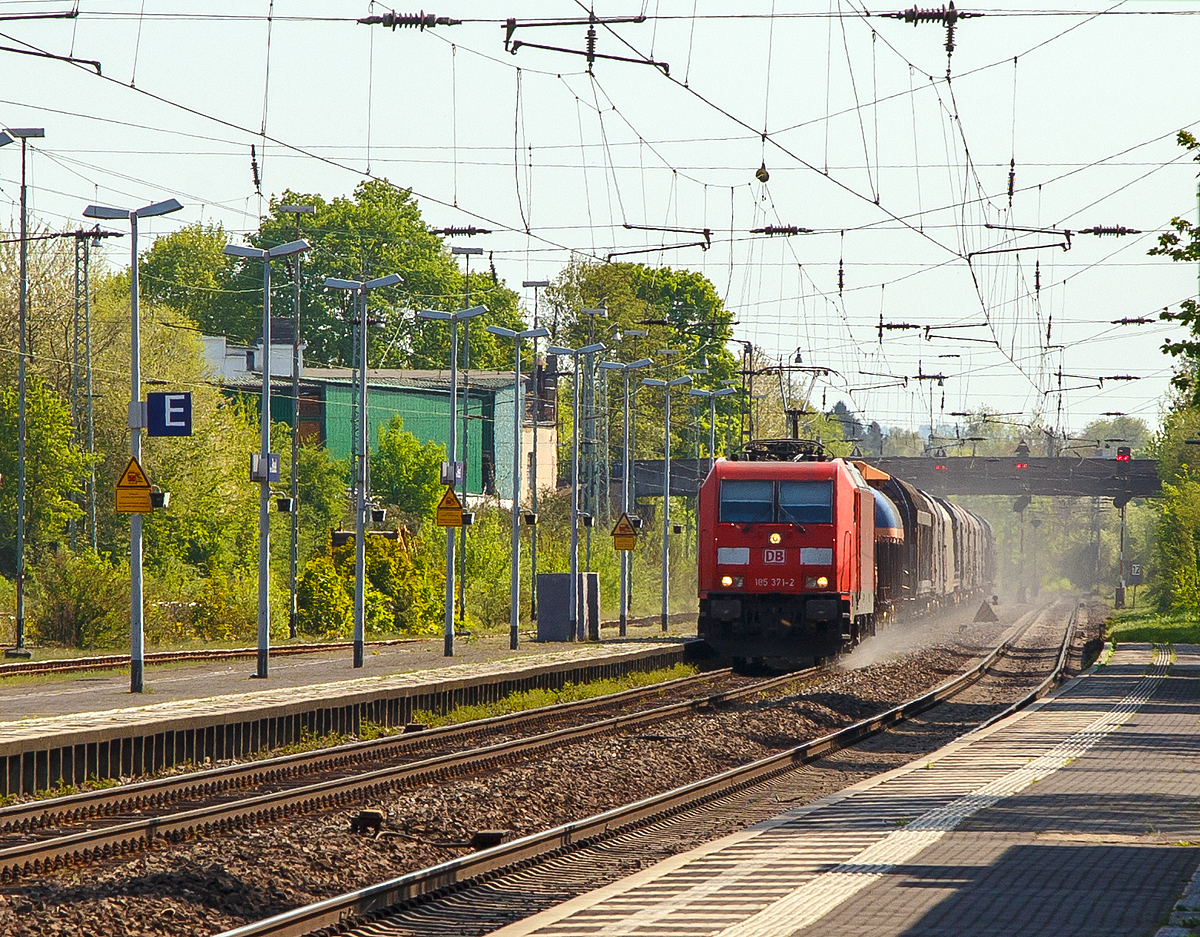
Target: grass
[(1175, 627), (571, 692)]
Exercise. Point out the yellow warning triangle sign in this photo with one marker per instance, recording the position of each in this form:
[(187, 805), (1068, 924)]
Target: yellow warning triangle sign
[(133, 476), (624, 527), (450, 501)]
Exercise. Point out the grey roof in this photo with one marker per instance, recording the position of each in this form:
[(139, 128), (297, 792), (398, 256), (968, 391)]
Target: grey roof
[(389, 377)]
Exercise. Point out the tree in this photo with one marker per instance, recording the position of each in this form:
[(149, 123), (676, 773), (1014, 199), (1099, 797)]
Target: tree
[(405, 473), (54, 469)]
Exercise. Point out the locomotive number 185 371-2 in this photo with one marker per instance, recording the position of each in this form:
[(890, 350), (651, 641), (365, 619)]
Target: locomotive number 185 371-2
[(778, 582)]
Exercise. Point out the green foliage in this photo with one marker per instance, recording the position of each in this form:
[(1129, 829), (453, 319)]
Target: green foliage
[(322, 489), (405, 473), (1143, 624), (325, 609), (227, 608), (54, 469), (80, 600), (187, 271)]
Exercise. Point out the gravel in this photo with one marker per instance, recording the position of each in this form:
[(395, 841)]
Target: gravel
[(221, 881)]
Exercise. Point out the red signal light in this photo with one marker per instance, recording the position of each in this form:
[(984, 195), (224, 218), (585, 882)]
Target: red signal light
[(1122, 453), (1021, 465), (939, 468)]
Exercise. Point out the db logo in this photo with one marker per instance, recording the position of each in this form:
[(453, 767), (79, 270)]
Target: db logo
[(775, 556)]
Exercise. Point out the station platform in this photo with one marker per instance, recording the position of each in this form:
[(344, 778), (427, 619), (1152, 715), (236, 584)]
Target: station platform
[(140, 737), (1078, 816)]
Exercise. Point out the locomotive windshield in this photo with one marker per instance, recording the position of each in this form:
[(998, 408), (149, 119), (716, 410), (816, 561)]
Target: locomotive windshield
[(806, 502), (744, 502), (785, 502)]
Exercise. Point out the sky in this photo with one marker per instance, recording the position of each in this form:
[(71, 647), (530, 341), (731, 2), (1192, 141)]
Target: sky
[(900, 176)]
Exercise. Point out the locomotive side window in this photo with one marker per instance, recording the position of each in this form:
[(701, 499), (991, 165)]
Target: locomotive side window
[(806, 502), (747, 502)]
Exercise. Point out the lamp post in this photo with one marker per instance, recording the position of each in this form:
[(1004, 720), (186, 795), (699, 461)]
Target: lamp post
[(264, 457), (573, 592), (666, 509), (625, 469), (533, 468), (518, 414), (712, 396), (136, 422), (294, 549), (363, 481), (23, 134), (451, 449)]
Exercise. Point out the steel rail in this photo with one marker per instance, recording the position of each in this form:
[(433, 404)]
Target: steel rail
[(367, 904), (118, 661), (157, 792), (43, 855)]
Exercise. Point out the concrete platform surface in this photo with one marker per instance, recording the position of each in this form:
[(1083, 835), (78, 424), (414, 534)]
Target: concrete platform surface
[(1080, 816), (62, 694)]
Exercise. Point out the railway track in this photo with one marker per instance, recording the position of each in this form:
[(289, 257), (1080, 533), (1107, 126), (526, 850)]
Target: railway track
[(117, 833), (365, 911), (121, 661)]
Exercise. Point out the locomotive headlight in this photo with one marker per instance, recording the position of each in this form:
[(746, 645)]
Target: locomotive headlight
[(732, 581), (727, 580), (776, 538), (816, 582), (822, 582)]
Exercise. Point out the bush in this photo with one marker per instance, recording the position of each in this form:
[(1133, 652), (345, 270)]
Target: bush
[(324, 609), (226, 608), (79, 600)]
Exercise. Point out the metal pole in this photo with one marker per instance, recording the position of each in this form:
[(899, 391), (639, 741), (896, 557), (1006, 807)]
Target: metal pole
[(91, 405), (589, 440), (712, 431), (533, 469), (294, 546), (518, 412), (666, 508), (137, 649), (21, 354), (625, 554), (462, 531), (264, 486), (573, 604), (1120, 596), (360, 519), (452, 455)]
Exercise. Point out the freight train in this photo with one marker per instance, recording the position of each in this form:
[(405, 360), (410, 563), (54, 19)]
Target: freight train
[(802, 559)]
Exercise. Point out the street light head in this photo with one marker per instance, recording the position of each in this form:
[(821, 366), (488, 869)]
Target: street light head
[(667, 352), (469, 251), (103, 211), (539, 332), (334, 283), (435, 314), (611, 366), (591, 349), (653, 382), (559, 350), (501, 331), (5, 139), (640, 363), (680, 381), (289, 249), (298, 209), (634, 333), (535, 283), (599, 312), (379, 282), (695, 392), (725, 392), (159, 208), (470, 313), (24, 132), (236, 250)]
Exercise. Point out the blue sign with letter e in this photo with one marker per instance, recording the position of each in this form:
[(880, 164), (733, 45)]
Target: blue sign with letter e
[(169, 414)]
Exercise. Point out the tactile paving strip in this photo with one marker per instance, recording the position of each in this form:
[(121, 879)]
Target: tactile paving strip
[(789, 872)]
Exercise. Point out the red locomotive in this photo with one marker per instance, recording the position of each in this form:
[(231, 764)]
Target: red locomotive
[(800, 560)]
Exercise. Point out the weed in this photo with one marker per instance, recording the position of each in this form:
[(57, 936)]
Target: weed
[(534, 699)]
